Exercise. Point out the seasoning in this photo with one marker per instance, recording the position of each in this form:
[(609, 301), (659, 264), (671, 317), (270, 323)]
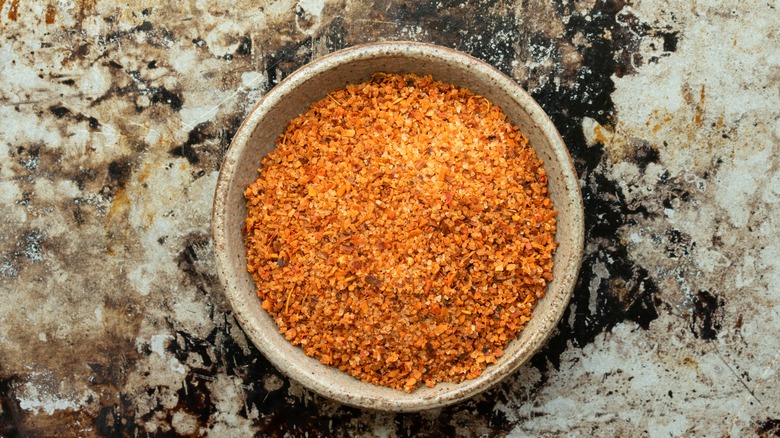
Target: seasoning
[(401, 231)]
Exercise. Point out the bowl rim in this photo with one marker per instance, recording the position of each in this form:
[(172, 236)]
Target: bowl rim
[(407, 402)]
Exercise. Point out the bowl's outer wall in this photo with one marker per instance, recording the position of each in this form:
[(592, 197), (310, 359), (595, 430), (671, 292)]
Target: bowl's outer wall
[(267, 121)]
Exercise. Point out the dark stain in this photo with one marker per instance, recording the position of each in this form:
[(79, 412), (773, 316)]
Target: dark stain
[(768, 428), (207, 143), (485, 30), (164, 96), (137, 84), (231, 359), (707, 315), (69, 82), (117, 420), (152, 65), (101, 374), (11, 414), (184, 343), (606, 211), (589, 94), (284, 61), (93, 123), (333, 34), (480, 414), (197, 135), (195, 261), (108, 421), (221, 355), (80, 52), (678, 244), (245, 46), (227, 132), (159, 37), (670, 40), (195, 398), (644, 153), (119, 172), (628, 293), (59, 111), (146, 26), (305, 423), (408, 424)]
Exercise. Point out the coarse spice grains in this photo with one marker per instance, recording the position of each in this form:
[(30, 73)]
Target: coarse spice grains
[(401, 231)]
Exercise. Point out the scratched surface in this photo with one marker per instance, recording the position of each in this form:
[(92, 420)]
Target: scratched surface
[(114, 121)]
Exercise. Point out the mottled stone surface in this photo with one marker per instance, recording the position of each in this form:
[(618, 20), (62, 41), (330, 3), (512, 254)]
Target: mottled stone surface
[(114, 121)]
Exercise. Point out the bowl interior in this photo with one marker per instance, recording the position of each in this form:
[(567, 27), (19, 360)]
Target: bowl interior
[(287, 100)]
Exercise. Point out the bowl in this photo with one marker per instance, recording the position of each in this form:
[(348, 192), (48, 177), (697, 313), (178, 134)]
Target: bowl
[(255, 138)]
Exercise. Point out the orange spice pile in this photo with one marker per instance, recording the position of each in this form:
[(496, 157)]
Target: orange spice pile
[(401, 231)]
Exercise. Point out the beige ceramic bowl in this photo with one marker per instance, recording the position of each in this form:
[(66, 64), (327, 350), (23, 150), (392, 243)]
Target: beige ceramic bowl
[(255, 138)]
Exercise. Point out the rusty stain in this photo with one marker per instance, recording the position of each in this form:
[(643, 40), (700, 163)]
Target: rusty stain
[(13, 11), (600, 137), (690, 363), (86, 6), (51, 14), (2, 3), (698, 112), (686, 94), (120, 204), (144, 174)]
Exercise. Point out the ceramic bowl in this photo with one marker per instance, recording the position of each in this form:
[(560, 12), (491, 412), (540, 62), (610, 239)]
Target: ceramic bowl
[(255, 138)]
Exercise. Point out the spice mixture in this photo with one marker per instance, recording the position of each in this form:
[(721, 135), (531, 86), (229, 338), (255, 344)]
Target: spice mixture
[(401, 231)]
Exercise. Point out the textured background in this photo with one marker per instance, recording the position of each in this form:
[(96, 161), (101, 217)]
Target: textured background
[(113, 122)]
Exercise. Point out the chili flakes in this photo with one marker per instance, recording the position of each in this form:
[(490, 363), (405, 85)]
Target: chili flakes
[(401, 231)]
